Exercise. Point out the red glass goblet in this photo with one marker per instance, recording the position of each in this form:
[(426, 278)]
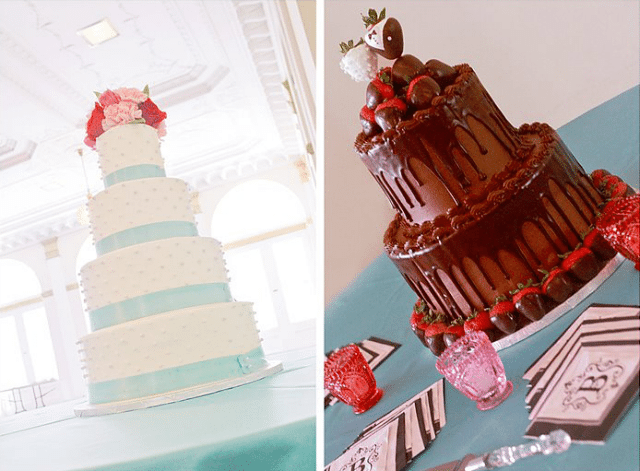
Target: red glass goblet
[(472, 365), (348, 377), (620, 225)]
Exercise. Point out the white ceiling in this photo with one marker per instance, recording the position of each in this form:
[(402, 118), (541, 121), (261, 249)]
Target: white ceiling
[(215, 67)]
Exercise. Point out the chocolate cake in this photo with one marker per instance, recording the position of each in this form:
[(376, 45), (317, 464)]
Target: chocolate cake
[(486, 212)]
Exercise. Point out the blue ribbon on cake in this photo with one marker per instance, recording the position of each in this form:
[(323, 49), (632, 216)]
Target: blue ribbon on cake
[(156, 303), (134, 172), (145, 233), (180, 377)]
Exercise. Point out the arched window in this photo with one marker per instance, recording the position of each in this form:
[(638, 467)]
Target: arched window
[(86, 254), (267, 240), (27, 355)]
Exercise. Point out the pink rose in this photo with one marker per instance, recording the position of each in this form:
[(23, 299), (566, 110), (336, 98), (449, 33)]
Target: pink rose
[(131, 94), (108, 98), (120, 113)]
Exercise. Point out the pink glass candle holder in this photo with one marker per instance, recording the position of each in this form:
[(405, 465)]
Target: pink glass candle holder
[(348, 377), (620, 225), (473, 367)]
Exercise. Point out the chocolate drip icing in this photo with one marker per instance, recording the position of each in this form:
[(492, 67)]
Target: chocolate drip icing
[(482, 206), (499, 229), (454, 169)]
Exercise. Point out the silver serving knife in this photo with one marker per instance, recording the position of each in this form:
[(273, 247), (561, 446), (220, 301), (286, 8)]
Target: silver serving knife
[(557, 441)]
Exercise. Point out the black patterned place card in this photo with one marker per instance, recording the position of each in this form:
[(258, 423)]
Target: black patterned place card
[(376, 452), (422, 416), (585, 382), (627, 332), (592, 394), (601, 316)]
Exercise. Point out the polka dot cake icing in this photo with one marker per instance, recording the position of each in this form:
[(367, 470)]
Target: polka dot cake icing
[(163, 321)]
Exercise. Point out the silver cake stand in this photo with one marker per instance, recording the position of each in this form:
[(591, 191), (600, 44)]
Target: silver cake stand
[(563, 308), (92, 410)]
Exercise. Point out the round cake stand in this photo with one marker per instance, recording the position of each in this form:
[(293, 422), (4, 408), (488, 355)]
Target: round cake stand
[(92, 410), (563, 308)]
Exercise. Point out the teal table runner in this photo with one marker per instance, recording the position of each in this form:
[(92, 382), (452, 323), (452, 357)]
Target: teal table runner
[(268, 424)]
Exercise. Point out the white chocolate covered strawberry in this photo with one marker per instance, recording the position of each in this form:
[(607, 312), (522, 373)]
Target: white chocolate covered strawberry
[(359, 61)]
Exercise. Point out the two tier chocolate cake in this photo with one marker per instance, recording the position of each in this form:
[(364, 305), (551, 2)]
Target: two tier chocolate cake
[(494, 223)]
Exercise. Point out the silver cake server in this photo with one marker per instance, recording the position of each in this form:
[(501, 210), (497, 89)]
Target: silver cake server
[(557, 441)]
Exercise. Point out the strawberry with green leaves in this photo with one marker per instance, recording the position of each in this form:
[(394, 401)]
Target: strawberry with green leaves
[(429, 326), (390, 113), (378, 91), (405, 69), (597, 177), (454, 331), (609, 182), (503, 315), (581, 263), (384, 35), (358, 61), (620, 190), (368, 122), (479, 321), (421, 91), (558, 285), (529, 301)]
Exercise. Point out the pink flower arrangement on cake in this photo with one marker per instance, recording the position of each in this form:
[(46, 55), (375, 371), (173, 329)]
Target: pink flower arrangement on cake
[(123, 106)]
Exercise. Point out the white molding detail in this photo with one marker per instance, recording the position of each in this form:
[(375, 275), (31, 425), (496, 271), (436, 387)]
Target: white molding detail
[(13, 152)]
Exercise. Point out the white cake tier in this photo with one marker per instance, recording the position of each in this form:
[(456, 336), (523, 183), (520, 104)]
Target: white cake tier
[(172, 351), (128, 146), (139, 210), (169, 340), (151, 267)]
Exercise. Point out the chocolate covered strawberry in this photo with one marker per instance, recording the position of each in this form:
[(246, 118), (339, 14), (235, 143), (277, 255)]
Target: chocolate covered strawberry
[(581, 263), (428, 327), (442, 73), (453, 333), (421, 91), (358, 61), (434, 337), (405, 69), (368, 122), (384, 74), (478, 321), (378, 92), (608, 182), (530, 302), (390, 113), (599, 245), (597, 176), (620, 190), (503, 316), (384, 35), (558, 285)]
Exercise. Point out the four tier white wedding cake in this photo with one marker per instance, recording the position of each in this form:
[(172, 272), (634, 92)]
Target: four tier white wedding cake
[(164, 324)]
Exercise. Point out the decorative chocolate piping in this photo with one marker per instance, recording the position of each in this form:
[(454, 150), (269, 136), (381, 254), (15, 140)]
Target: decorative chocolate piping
[(540, 170), (438, 153)]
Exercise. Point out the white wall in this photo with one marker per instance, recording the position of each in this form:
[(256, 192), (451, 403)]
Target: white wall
[(548, 61)]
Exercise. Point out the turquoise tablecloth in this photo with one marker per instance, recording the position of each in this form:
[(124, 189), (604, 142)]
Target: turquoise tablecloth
[(379, 302), (268, 424)]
